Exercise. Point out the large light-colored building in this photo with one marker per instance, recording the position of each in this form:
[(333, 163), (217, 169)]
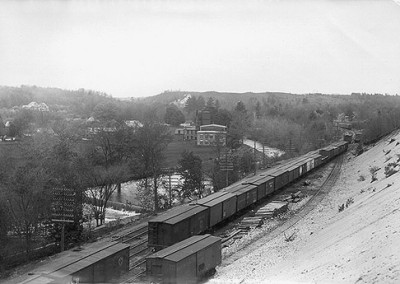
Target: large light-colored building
[(211, 134)]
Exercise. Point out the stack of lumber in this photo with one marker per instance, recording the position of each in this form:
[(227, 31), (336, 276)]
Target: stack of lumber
[(272, 209), (250, 222), (294, 197)]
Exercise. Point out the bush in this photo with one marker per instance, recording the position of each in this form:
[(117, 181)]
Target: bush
[(390, 169), (361, 178), (373, 170), (349, 201)]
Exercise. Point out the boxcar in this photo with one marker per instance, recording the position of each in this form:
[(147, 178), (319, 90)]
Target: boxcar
[(240, 196), (176, 225), (185, 262), (281, 176), (265, 185), (327, 153), (251, 194), (105, 265), (317, 159), (221, 206)]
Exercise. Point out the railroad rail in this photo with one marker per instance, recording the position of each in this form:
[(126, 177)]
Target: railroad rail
[(323, 190), (138, 251)]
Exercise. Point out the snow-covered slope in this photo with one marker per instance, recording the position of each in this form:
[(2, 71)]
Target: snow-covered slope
[(360, 244)]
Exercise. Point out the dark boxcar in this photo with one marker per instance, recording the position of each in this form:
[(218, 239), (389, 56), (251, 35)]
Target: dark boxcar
[(269, 183), (185, 262), (251, 194), (295, 169), (317, 159), (155, 225), (240, 196), (326, 153), (281, 177), (177, 225), (104, 266), (260, 183), (221, 204), (336, 150)]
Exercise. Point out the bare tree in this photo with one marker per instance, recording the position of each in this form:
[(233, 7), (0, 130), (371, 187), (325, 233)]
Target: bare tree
[(151, 141)]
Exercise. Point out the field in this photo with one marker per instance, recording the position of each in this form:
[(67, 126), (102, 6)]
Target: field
[(175, 148)]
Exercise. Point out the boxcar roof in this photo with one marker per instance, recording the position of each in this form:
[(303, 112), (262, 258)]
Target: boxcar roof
[(247, 188), (257, 180), (278, 172), (39, 280), (234, 188), (172, 213), (192, 249), (208, 198), (219, 199), (178, 246), (86, 262), (194, 209)]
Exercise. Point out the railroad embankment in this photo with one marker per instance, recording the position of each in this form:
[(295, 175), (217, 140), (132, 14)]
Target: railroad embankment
[(352, 236)]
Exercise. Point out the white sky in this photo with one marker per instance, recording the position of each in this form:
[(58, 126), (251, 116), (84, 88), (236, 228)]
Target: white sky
[(143, 47)]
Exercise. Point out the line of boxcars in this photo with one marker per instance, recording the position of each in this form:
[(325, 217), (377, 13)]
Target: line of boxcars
[(188, 220)]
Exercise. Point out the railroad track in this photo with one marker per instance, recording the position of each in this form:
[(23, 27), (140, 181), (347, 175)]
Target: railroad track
[(138, 251), (306, 208)]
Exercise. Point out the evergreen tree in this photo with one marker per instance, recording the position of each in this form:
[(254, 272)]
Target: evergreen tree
[(174, 116), (190, 168)]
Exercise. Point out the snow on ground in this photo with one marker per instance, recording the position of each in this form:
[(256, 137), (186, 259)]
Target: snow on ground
[(111, 215), (361, 244), (268, 151)]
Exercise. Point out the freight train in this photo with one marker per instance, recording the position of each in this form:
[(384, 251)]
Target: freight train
[(203, 215)]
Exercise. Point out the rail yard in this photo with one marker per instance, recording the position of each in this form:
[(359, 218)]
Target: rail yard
[(228, 214)]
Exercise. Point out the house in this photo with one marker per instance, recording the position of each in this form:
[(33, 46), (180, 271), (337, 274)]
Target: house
[(134, 123), (187, 130), (211, 134), (189, 133)]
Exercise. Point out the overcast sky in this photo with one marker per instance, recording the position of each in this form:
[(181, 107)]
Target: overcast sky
[(141, 48)]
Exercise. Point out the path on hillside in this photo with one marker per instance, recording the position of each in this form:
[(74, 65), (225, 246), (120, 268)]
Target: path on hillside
[(268, 151)]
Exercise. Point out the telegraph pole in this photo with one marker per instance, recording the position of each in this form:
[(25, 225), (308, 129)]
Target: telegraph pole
[(255, 158), (226, 165), (63, 210)]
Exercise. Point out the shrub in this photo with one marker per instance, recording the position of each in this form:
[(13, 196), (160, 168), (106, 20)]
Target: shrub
[(349, 201), (390, 169), (373, 170), (361, 178), (290, 238)]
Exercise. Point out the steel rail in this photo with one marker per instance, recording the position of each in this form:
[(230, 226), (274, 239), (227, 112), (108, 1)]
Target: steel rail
[(134, 237), (135, 254), (306, 208), (138, 245)]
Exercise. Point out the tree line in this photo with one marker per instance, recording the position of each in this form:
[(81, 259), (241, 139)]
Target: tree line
[(91, 169)]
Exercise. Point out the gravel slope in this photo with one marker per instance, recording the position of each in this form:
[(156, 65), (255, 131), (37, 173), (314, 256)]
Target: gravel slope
[(360, 244)]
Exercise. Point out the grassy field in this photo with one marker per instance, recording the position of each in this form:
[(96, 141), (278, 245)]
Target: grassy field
[(175, 148)]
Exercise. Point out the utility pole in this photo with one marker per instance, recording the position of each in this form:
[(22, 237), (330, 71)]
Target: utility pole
[(63, 204), (169, 172), (170, 190), (226, 165), (255, 158)]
